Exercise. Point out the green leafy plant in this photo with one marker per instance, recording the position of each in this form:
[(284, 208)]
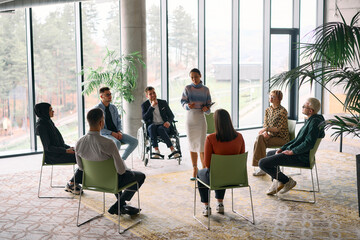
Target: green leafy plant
[(119, 73), (333, 59)]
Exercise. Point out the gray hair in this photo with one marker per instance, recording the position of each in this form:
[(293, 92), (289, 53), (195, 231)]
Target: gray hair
[(314, 104)]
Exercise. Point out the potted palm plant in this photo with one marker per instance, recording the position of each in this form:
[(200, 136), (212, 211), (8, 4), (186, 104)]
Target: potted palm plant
[(119, 73), (333, 58)]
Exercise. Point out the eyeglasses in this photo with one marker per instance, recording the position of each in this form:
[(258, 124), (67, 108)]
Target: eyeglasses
[(306, 107), (108, 94)]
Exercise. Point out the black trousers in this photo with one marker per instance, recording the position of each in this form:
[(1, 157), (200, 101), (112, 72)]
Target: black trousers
[(203, 174), (270, 164), (125, 179), (159, 130)]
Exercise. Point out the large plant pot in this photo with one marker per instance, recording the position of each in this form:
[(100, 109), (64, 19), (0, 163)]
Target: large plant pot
[(358, 179)]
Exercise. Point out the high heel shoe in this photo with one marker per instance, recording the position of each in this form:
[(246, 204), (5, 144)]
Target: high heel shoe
[(195, 171)]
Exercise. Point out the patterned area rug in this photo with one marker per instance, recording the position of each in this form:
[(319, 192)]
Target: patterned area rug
[(167, 208), (167, 203)]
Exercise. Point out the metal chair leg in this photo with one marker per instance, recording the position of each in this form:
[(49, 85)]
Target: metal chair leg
[(302, 190), (252, 207), (197, 187), (41, 170), (121, 231), (89, 220)]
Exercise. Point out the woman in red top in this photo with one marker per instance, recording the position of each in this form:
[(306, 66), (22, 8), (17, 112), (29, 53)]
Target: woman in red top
[(225, 141)]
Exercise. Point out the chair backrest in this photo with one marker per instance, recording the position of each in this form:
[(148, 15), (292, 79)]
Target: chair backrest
[(313, 151), (210, 121), (100, 176), (291, 127), (228, 170)]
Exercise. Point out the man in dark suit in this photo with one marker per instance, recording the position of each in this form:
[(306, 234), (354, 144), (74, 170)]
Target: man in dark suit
[(158, 117)]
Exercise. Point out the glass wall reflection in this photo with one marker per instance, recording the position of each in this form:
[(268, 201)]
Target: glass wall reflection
[(250, 63), (55, 65), (218, 52), (183, 52), (14, 105), (101, 31)]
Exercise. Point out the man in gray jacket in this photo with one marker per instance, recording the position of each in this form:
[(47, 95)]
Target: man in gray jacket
[(113, 127)]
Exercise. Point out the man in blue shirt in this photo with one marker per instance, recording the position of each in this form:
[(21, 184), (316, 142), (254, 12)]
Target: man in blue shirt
[(113, 127)]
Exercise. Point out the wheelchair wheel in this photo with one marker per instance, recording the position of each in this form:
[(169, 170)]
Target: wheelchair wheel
[(146, 161), (179, 160), (141, 144)]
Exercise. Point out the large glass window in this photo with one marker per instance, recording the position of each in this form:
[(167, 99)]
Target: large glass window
[(153, 45), (250, 63), (280, 61), (281, 13), (307, 24), (55, 65), (183, 52), (218, 52), (101, 31), (14, 105)]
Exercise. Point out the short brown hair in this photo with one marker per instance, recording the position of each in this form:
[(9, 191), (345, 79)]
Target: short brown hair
[(94, 116), (104, 89), (278, 93), (149, 88), (224, 129)]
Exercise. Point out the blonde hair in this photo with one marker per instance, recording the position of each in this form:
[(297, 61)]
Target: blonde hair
[(278, 94), (314, 104)]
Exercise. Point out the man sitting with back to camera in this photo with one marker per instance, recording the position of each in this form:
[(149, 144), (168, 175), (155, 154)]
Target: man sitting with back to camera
[(113, 127), (296, 152), (94, 147), (158, 118)]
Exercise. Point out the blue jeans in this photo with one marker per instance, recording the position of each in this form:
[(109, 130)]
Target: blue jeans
[(126, 139), (203, 174)]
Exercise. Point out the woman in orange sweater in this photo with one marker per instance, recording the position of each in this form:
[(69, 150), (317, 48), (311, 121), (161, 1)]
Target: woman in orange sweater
[(225, 141)]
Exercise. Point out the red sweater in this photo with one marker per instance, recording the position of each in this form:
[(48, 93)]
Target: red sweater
[(213, 146)]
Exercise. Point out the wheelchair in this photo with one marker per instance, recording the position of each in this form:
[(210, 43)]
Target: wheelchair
[(145, 150)]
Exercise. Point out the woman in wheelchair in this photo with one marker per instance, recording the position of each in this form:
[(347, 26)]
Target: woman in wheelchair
[(225, 141), (158, 118)]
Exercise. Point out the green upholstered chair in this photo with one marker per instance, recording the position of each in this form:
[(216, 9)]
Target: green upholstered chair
[(210, 121), (101, 176), (226, 172), (51, 178), (312, 164)]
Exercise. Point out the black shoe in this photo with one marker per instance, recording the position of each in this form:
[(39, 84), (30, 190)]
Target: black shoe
[(125, 209), (75, 190), (129, 210), (113, 209)]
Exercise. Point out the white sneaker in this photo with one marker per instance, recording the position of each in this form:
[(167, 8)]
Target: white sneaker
[(259, 172), (288, 186), (220, 208), (176, 155), (276, 186), (207, 211), (155, 155)]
